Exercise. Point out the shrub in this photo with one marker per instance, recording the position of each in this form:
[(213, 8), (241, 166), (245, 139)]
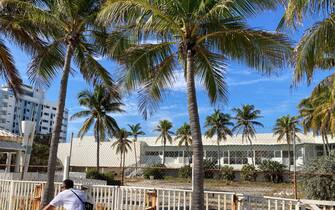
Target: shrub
[(318, 181), (226, 173), (185, 172), (273, 170), (209, 167), (155, 170), (249, 172), (108, 177)]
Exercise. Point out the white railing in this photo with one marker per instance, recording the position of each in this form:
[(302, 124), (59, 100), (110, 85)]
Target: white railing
[(19, 195)]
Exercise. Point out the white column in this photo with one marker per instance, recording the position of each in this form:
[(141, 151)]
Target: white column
[(28, 130), (66, 168), (8, 162), (18, 161)]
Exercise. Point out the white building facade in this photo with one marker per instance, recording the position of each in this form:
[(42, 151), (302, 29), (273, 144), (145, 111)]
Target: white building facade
[(233, 152), (30, 105)]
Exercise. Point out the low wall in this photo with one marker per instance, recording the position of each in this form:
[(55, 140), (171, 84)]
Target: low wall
[(77, 177)]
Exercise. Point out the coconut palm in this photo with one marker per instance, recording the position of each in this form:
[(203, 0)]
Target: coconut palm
[(218, 124), (135, 131), (122, 146), (18, 32), (164, 130), (286, 127), (317, 111), (184, 138), (246, 120), (315, 50), (196, 36), (72, 35), (99, 103)]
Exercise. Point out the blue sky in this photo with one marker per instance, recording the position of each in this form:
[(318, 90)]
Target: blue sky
[(272, 95)]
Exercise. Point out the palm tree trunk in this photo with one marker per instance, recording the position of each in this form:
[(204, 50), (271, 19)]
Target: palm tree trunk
[(289, 157), (123, 166), (324, 144), (288, 139), (253, 152), (135, 140), (198, 153), (98, 146), (219, 156), (49, 188), (327, 144), (163, 161)]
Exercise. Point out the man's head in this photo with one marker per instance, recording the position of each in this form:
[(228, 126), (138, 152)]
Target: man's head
[(67, 184)]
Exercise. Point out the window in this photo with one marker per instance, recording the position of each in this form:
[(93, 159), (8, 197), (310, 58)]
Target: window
[(44, 128), (238, 157), (46, 121), (54, 108), (152, 153), (277, 154), (46, 114)]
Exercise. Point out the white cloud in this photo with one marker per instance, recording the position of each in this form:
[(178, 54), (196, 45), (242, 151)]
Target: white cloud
[(232, 82)]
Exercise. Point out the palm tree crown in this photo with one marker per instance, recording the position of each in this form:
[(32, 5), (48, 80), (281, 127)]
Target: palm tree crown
[(122, 143), (246, 120), (183, 135), (136, 130), (99, 104), (219, 124), (164, 129), (287, 127)]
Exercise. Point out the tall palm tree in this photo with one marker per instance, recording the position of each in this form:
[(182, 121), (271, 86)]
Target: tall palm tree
[(99, 104), (218, 124), (318, 110), (199, 37), (184, 138), (122, 145), (246, 120), (164, 129), (135, 131), (286, 127), (72, 35)]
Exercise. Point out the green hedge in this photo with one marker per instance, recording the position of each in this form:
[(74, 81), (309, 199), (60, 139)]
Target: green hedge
[(248, 173), (157, 171), (108, 176)]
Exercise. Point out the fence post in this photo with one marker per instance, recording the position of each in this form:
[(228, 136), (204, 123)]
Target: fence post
[(234, 203), (11, 196)]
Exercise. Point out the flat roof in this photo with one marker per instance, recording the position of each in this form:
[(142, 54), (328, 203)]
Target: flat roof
[(260, 139), (9, 141)]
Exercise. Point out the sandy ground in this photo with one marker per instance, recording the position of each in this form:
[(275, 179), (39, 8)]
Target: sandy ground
[(247, 188)]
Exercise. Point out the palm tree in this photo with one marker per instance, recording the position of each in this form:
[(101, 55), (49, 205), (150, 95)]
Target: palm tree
[(99, 104), (317, 111), (122, 145), (287, 127), (163, 128), (246, 120), (219, 124), (72, 34), (200, 37), (184, 138), (22, 34), (135, 131)]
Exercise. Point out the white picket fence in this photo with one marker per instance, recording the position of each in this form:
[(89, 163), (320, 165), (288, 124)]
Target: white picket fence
[(18, 195)]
